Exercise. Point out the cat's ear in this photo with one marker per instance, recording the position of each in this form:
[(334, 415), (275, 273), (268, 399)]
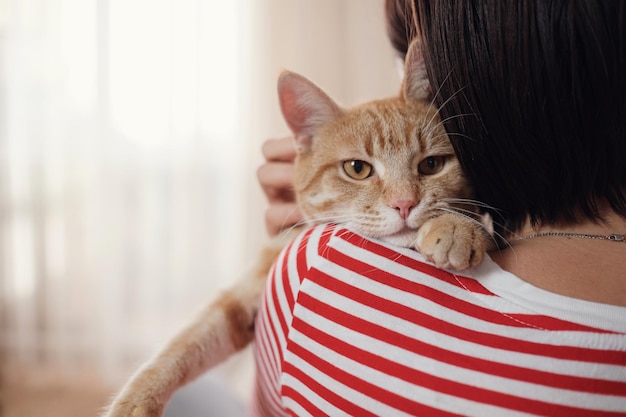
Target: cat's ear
[(305, 107), (415, 85)]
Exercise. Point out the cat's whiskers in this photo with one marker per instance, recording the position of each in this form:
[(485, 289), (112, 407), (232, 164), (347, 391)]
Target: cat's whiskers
[(454, 134), (371, 225), (477, 203), (472, 217), (471, 202), (432, 118), (431, 105), (285, 229), (338, 216), (329, 217), (310, 221), (454, 116), (362, 239), (363, 223), (492, 210), (495, 236)]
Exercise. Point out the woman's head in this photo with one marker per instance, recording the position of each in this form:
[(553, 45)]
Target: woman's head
[(533, 94)]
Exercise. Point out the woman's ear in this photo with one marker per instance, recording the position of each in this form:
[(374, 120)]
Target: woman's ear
[(305, 107), (415, 85)]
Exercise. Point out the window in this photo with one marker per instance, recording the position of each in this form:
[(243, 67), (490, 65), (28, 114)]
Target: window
[(130, 134)]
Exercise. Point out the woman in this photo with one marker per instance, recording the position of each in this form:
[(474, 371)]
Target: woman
[(533, 94)]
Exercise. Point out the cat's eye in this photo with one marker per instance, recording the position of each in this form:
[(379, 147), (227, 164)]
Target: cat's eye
[(358, 170), (431, 165)]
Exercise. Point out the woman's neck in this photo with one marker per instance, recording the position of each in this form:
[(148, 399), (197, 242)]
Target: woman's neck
[(578, 267)]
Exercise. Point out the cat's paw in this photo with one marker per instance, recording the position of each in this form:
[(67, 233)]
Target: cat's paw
[(128, 405), (135, 408), (452, 241)]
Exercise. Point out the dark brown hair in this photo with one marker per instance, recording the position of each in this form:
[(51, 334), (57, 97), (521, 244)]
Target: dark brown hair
[(533, 94), (401, 27)]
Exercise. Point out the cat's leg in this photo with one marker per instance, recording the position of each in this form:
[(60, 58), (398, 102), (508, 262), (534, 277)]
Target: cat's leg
[(222, 328), (454, 241)]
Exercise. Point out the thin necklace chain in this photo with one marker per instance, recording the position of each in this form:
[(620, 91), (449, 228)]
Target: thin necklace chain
[(614, 237)]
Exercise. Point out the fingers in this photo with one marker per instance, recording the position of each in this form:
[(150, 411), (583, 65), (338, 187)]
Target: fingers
[(276, 179), (279, 150), (281, 215)]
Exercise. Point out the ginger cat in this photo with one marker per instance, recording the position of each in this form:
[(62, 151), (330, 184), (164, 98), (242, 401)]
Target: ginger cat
[(386, 169)]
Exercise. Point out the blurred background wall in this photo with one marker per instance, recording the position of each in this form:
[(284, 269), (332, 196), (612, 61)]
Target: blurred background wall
[(130, 135)]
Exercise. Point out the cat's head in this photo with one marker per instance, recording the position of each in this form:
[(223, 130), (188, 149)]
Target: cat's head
[(383, 167)]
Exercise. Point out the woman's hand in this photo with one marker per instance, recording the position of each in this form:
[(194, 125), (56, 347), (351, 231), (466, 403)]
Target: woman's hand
[(276, 179)]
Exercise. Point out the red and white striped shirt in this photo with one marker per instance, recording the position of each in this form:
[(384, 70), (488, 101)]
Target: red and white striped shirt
[(354, 327)]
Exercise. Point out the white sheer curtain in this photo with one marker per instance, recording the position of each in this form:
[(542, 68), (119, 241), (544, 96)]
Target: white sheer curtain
[(130, 133)]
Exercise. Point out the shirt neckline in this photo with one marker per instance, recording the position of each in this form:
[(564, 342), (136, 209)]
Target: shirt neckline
[(539, 301)]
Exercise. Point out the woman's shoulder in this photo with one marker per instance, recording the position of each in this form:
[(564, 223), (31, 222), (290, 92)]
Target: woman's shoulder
[(331, 251), (337, 252), (529, 300)]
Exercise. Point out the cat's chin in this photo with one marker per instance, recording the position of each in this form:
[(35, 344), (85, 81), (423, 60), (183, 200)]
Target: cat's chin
[(404, 238)]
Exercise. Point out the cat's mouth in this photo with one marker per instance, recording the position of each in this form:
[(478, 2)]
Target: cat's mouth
[(403, 237)]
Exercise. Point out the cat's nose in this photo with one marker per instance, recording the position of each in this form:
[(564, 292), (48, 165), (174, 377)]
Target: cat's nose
[(404, 207)]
